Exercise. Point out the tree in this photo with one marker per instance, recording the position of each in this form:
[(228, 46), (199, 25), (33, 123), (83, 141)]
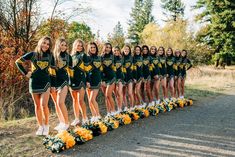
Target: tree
[(173, 8), (140, 17), (219, 16), (117, 38), (79, 30)]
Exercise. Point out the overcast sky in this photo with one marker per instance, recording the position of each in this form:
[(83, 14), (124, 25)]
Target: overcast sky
[(105, 14)]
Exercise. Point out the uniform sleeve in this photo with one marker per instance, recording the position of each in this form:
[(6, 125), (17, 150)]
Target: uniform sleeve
[(188, 65), (52, 71), (19, 62), (87, 67), (151, 65), (134, 72), (70, 67)]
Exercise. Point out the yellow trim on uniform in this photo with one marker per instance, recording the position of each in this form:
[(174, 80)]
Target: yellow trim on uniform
[(123, 70), (70, 72), (19, 61), (114, 68), (88, 68), (52, 71), (175, 67)]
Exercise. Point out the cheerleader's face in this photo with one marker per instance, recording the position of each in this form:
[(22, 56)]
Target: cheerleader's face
[(126, 51), (153, 50), (79, 47), (145, 50), (160, 51), (137, 51), (107, 49), (93, 49), (63, 46), (45, 45), (169, 52), (183, 53), (177, 53), (117, 52)]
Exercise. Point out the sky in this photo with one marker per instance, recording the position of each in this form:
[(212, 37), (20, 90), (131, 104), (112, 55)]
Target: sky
[(105, 14)]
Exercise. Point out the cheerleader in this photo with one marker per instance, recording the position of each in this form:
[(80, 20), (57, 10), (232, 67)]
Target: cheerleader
[(108, 78), (137, 75), (170, 62), (63, 62), (78, 81), (147, 75), (162, 70), (94, 71), (118, 61), (178, 60), (155, 84), (184, 66), (128, 77), (41, 78)]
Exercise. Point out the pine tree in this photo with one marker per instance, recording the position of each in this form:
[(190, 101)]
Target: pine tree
[(140, 17), (117, 38), (173, 8), (219, 15)]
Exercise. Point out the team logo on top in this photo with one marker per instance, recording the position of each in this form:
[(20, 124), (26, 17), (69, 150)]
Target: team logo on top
[(146, 62), (139, 64), (118, 65), (162, 60), (155, 61), (61, 63), (42, 64), (127, 65), (97, 64), (170, 63), (107, 62)]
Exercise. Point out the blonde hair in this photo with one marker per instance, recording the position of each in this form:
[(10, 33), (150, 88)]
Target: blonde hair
[(57, 49), (75, 45), (38, 48)]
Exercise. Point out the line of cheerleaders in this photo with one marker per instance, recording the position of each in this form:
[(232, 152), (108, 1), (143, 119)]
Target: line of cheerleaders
[(136, 75)]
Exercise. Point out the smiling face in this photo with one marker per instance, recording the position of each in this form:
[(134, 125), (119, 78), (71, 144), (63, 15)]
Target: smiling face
[(45, 45), (160, 51), (137, 51), (127, 50), (145, 50), (177, 53), (117, 52), (93, 49), (79, 47), (169, 52), (63, 46), (153, 50), (183, 53), (107, 48)]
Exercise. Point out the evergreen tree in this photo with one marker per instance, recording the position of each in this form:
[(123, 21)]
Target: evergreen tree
[(117, 38), (219, 15), (140, 17), (173, 8)]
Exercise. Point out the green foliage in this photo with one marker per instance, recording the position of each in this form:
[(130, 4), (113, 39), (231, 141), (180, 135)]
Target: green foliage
[(117, 38), (173, 8), (140, 17), (219, 15)]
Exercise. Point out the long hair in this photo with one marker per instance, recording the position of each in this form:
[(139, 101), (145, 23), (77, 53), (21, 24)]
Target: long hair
[(89, 48), (75, 45), (161, 47), (145, 46), (57, 50), (124, 48), (105, 45), (186, 53), (134, 50), (168, 50), (153, 47), (38, 48), (117, 47)]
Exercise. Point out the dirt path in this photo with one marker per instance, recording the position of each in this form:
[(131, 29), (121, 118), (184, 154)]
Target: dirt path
[(205, 129)]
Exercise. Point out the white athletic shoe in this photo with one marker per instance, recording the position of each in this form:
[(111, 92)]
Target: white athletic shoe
[(63, 127), (58, 126), (125, 109), (45, 130), (39, 132), (75, 122)]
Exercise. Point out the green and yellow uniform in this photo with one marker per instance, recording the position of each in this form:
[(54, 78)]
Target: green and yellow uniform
[(138, 67), (178, 61), (155, 69), (184, 66), (42, 68), (94, 71), (128, 68), (78, 78), (170, 63), (118, 62), (109, 69), (162, 66), (147, 67), (63, 70)]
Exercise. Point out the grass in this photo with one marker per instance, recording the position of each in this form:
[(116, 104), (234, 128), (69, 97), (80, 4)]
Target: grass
[(18, 136)]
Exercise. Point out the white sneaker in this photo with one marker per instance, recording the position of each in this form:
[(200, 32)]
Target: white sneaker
[(45, 130), (84, 121), (58, 126), (125, 109), (75, 122), (108, 114), (63, 127), (39, 132)]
